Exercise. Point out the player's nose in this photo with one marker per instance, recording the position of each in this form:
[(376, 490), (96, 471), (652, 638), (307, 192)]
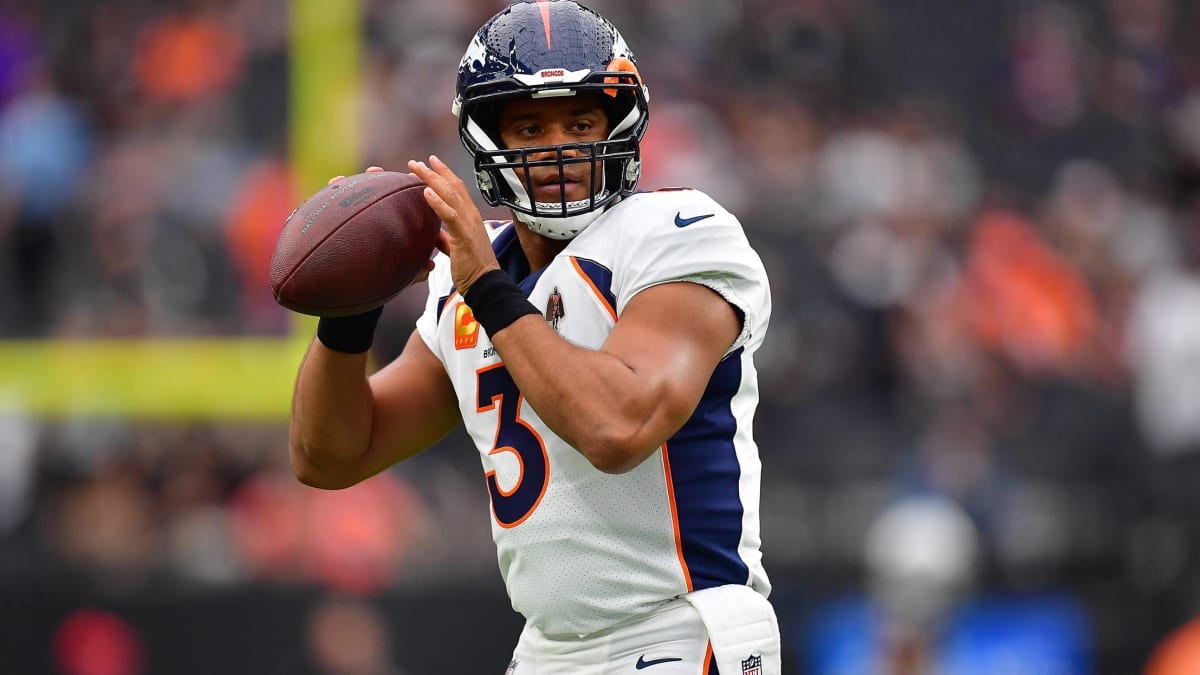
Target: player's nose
[(557, 136)]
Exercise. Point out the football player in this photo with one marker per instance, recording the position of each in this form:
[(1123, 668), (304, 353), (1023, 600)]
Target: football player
[(599, 349)]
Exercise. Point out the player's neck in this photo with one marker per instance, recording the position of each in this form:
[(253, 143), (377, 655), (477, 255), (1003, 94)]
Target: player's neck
[(539, 250)]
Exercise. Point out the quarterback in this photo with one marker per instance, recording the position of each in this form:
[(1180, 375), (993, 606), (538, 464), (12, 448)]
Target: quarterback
[(599, 350)]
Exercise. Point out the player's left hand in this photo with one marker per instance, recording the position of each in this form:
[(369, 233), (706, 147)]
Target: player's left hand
[(464, 237), (423, 274)]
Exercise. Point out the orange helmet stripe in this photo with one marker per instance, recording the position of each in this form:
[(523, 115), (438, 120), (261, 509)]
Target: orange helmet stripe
[(544, 5)]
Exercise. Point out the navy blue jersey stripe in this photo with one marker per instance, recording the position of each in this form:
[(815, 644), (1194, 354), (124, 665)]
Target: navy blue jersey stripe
[(530, 281), (511, 256), (442, 303), (601, 278), (705, 475), (503, 240)]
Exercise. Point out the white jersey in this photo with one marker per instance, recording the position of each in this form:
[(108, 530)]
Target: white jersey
[(581, 550)]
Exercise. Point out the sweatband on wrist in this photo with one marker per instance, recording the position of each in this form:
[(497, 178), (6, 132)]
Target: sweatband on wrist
[(349, 334), (496, 302)]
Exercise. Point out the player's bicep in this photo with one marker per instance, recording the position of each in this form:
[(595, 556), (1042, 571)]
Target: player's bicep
[(673, 336), (415, 406)]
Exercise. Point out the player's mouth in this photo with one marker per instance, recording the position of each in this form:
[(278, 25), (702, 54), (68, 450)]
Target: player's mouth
[(550, 188)]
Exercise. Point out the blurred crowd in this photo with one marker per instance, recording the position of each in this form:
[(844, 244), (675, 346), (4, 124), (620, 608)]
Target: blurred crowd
[(981, 222)]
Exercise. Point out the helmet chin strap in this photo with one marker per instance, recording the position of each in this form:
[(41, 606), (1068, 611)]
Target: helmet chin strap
[(560, 228)]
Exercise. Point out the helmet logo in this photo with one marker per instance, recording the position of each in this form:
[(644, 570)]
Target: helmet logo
[(620, 65)]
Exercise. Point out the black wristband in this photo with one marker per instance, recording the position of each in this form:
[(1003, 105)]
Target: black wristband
[(349, 334), (496, 302)]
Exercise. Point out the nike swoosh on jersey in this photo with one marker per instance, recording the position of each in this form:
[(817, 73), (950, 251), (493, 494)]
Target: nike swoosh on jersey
[(643, 663), (680, 221)]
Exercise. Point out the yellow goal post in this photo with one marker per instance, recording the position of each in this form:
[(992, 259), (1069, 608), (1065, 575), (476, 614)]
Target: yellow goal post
[(246, 378)]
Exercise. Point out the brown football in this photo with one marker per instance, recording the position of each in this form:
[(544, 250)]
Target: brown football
[(354, 245)]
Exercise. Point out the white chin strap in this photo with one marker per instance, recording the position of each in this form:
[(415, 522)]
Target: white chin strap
[(557, 227)]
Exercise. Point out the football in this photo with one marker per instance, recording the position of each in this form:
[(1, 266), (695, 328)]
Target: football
[(354, 245)]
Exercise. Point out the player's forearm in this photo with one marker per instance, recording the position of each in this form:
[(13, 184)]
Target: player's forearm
[(599, 405), (332, 411)]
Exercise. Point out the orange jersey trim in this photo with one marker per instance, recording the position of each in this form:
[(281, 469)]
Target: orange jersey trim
[(687, 574), (612, 311)]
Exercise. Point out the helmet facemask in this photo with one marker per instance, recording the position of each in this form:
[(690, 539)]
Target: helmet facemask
[(614, 164)]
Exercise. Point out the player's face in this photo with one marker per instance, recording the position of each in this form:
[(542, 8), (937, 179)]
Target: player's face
[(527, 122)]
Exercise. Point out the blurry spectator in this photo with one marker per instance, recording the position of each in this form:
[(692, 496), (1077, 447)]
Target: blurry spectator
[(45, 144), (20, 52), (922, 556), (1049, 65), (349, 637), (1164, 335), (95, 642), (106, 524), (19, 441), (1024, 300), (1178, 653), (923, 615), (264, 197), (686, 145), (353, 540), (179, 58)]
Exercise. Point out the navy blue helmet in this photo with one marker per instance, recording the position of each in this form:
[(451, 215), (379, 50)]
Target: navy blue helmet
[(543, 49)]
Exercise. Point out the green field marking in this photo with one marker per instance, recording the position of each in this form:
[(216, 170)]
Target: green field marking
[(211, 378)]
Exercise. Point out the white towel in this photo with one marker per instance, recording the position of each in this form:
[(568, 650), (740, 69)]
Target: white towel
[(742, 628)]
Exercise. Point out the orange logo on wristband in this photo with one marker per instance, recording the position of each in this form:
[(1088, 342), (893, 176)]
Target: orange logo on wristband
[(466, 328)]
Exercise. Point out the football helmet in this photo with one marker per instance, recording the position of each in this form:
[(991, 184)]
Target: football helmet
[(543, 49)]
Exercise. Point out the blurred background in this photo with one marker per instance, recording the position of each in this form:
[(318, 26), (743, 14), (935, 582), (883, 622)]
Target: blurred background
[(980, 392)]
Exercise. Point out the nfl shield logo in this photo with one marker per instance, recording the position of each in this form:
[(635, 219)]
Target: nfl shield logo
[(752, 665), (512, 667)]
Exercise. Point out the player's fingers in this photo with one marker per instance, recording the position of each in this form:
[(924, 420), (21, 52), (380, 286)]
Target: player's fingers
[(373, 169), (431, 178), (443, 242), (446, 172), (446, 212), (442, 180), (423, 274), (334, 180)]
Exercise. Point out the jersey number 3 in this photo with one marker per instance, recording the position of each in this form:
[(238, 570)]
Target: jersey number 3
[(511, 507)]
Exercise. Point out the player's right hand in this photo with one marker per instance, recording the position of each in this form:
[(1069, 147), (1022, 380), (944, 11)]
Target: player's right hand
[(464, 237)]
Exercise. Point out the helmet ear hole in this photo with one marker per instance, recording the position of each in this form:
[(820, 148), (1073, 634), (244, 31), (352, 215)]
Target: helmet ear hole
[(615, 109), (486, 115)]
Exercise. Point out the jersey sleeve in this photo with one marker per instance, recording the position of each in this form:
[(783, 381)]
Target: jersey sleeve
[(687, 236)]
